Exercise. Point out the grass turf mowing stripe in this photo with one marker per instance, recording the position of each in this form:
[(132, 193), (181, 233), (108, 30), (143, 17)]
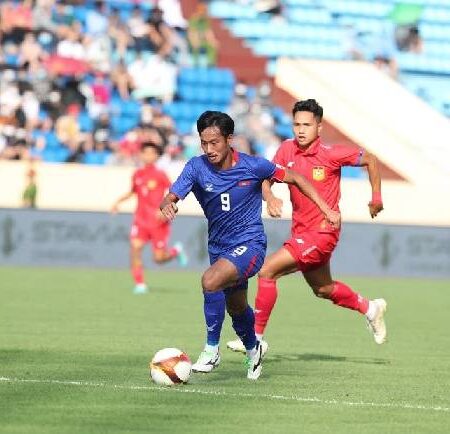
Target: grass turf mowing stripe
[(404, 405)]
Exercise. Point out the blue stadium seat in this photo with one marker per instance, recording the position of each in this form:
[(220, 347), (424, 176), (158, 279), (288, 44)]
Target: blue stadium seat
[(96, 157), (121, 124), (58, 155), (85, 122)]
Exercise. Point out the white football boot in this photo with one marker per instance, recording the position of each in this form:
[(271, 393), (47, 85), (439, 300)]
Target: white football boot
[(206, 362), (254, 364), (377, 325), (238, 346)]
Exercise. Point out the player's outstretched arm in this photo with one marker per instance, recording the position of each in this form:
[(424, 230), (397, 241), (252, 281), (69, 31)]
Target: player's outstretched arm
[(168, 206), (291, 177), (125, 197), (370, 161), (274, 204)]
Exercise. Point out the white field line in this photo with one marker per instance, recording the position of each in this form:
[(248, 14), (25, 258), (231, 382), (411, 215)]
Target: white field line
[(185, 389)]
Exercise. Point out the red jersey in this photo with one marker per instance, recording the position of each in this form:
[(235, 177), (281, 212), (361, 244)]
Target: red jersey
[(150, 184), (321, 165)]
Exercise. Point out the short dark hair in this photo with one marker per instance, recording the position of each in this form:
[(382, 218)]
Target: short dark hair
[(309, 105), (153, 145), (215, 119)]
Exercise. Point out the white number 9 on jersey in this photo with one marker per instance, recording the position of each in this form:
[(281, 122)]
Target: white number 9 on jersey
[(225, 199)]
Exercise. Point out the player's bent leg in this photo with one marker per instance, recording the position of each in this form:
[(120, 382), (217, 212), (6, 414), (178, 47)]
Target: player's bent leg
[(222, 274), (275, 266), (137, 270), (160, 256), (340, 294)]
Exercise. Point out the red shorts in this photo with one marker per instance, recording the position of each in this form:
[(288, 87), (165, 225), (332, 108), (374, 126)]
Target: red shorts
[(157, 235), (311, 249)]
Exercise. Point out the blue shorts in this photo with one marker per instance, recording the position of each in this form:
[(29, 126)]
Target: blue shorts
[(247, 258)]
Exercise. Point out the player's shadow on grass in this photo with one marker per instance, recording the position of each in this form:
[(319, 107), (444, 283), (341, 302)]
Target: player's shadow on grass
[(313, 357)]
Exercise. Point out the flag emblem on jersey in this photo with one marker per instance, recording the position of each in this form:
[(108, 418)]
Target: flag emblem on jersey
[(318, 173), (244, 183), (151, 184)]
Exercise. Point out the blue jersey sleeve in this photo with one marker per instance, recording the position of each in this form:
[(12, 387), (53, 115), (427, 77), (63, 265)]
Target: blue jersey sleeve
[(184, 183), (262, 168)]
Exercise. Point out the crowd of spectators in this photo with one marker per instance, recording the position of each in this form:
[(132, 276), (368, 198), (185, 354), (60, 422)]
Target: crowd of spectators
[(73, 73), (69, 68)]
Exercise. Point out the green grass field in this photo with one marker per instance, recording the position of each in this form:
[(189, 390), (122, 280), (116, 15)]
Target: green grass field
[(75, 345)]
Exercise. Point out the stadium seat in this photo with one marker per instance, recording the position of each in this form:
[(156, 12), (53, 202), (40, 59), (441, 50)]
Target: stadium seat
[(96, 157)]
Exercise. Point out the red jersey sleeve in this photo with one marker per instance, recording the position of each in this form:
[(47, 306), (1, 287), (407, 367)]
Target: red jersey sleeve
[(342, 155), (279, 174)]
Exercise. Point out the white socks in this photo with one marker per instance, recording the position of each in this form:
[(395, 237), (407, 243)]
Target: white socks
[(211, 348)]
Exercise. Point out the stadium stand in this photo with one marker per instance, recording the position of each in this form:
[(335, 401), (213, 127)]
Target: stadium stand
[(77, 77), (415, 35)]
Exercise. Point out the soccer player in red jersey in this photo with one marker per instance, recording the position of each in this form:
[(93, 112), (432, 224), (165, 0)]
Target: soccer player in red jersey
[(149, 184), (312, 239)]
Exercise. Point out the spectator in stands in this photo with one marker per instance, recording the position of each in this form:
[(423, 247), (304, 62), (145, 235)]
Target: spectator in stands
[(172, 14), (153, 77), (160, 34), (138, 29), (31, 52), (16, 19), (100, 96), (122, 80), (67, 127), (96, 19), (102, 129), (407, 38), (42, 16), (63, 18), (71, 46), (30, 107), (201, 36), (119, 35)]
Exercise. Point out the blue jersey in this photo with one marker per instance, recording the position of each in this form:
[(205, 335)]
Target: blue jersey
[(231, 199)]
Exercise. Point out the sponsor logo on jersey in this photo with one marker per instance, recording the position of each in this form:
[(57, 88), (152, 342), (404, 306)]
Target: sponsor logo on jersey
[(209, 187), (318, 173)]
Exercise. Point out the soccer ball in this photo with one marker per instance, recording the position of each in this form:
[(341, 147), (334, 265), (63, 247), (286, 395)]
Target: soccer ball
[(170, 366)]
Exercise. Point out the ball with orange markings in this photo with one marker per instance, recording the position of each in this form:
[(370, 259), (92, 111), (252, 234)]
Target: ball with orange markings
[(170, 366)]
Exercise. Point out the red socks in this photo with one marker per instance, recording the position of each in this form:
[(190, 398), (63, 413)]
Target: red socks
[(343, 296), (265, 300), (138, 274), (266, 297)]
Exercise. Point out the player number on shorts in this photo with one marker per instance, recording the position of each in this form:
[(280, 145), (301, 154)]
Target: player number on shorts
[(238, 251), (225, 199)]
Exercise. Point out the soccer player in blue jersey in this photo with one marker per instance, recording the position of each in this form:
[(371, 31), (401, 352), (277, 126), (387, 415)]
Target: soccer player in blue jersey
[(227, 184)]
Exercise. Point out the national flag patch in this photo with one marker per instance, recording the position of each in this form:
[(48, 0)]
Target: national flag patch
[(151, 184), (318, 173), (244, 183)]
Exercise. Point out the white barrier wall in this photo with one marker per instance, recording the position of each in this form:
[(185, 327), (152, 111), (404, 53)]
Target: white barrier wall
[(95, 188)]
